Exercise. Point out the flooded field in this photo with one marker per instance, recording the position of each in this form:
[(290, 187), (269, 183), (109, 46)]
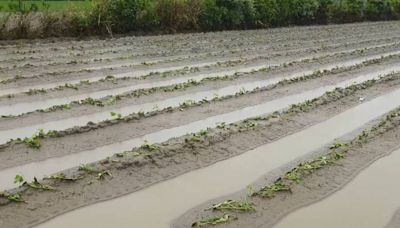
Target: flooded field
[(292, 127)]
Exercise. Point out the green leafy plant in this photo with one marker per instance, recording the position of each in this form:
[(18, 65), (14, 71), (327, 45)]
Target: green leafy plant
[(214, 220), (34, 140), (63, 177), (233, 205), (88, 168), (35, 184), (270, 191), (150, 147), (222, 125), (102, 175), (199, 136), (115, 116), (12, 197)]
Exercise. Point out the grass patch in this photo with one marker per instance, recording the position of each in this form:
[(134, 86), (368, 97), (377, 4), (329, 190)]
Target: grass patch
[(41, 5)]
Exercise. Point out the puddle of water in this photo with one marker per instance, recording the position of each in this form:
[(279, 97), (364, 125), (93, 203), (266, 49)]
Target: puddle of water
[(63, 124), (52, 165), (369, 201), (138, 73), (19, 108), (170, 199)]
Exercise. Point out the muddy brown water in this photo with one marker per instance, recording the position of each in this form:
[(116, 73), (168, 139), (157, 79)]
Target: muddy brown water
[(395, 221), (158, 205), (369, 201), (267, 107)]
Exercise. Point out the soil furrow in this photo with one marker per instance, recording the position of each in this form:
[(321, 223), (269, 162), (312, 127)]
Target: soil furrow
[(275, 34), (122, 70), (30, 104), (40, 169), (29, 128), (45, 206), (200, 49)]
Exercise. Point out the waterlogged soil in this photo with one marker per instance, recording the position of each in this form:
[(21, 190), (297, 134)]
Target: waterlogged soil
[(320, 184), (56, 48), (159, 96), (353, 203), (92, 136), (234, 44), (52, 62), (342, 54), (173, 158)]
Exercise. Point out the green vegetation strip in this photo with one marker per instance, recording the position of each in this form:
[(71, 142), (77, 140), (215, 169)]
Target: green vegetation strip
[(44, 5), (102, 169), (149, 16)]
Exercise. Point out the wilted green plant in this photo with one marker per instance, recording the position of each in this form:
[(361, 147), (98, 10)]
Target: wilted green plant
[(12, 197), (35, 184), (115, 116), (149, 146), (214, 220), (233, 205), (88, 168), (63, 177), (295, 176), (34, 140), (221, 125), (101, 175), (199, 136), (270, 191)]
